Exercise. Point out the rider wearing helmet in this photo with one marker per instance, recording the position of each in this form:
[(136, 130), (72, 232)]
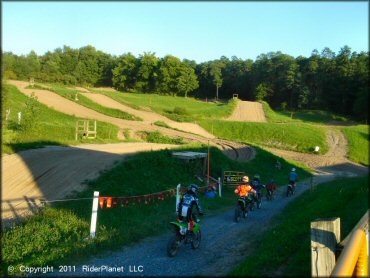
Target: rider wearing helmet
[(271, 186), (245, 189), (185, 207), (257, 184)]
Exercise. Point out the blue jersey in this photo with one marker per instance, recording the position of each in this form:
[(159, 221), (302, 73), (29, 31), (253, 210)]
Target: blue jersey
[(293, 176)]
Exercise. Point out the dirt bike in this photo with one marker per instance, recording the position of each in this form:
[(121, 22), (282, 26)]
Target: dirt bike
[(269, 194), (291, 189), (184, 236), (243, 205), (259, 199)]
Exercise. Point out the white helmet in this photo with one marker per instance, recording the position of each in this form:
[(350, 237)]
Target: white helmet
[(293, 170)]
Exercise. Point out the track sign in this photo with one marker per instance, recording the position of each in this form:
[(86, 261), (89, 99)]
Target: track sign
[(232, 177)]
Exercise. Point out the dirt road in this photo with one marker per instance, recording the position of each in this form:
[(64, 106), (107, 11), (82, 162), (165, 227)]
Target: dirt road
[(248, 111)]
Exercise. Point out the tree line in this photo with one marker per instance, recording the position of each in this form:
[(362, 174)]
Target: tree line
[(334, 82)]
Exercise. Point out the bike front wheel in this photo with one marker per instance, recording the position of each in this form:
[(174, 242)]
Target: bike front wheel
[(173, 246)]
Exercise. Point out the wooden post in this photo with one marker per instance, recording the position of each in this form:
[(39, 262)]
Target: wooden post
[(325, 235)]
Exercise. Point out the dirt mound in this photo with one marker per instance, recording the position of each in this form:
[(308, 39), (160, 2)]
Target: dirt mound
[(248, 111)]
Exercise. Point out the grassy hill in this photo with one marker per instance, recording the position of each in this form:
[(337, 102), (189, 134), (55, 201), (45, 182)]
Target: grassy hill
[(42, 125), (299, 137), (358, 141), (308, 116)]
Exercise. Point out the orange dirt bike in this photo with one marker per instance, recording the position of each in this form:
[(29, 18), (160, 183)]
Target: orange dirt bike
[(183, 235)]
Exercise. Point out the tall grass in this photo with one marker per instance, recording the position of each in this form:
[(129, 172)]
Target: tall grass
[(358, 141), (308, 116), (49, 127), (166, 105), (299, 137), (85, 101), (60, 231), (284, 249)]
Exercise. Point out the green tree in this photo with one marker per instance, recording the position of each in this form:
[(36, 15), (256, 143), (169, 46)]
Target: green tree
[(147, 72), (216, 73), (263, 91), (87, 68), (125, 73), (169, 73), (187, 81)]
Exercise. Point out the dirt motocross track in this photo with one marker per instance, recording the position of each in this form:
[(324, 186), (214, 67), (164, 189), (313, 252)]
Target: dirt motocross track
[(53, 172), (223, 242)]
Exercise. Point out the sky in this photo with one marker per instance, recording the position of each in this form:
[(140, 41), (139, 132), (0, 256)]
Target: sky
[(194, 30)]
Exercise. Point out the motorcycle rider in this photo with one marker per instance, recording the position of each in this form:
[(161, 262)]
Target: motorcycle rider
[(185, 206), (257, 185), (293, 176), (271, 186), (245, 189)]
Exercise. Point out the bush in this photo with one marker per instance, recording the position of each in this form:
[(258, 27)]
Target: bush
[(30, 115), (180, 111), (157, 137)]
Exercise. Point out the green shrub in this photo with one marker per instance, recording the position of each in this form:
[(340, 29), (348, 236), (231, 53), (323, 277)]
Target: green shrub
[(180, 111), (157, 137)]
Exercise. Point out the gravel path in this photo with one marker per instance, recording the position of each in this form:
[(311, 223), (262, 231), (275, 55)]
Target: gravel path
[(223, 245)]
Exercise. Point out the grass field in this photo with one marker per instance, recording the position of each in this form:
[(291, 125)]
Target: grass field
[(309, 116), (47, 127), (299, 137), (57, 235), (285, 246), (358, 141), (177, 108)]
